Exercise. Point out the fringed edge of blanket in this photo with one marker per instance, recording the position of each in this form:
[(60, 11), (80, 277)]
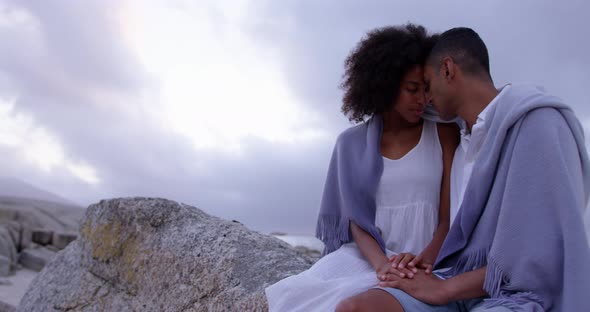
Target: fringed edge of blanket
[(466, 263), (495, 278), (333, 231)]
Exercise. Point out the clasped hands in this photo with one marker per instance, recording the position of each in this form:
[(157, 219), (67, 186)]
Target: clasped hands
[(414, 276), (403, 265)]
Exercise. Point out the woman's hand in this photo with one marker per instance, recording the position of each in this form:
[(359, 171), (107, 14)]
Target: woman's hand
[(383, 270), (423, 261), (388, 268), (424, 287), (405, 262)]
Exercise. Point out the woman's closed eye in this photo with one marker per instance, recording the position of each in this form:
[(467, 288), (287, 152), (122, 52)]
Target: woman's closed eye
[(413, 87)]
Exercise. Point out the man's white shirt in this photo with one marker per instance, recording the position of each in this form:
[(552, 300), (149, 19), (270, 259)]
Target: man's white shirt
[(466, 154)]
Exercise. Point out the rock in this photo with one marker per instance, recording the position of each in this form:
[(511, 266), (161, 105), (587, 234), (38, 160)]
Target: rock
[(7, 245), (40, 214), (42, 237), (61, 240), (25, 214), (5, 307), (52, 248), (36, 258), (131, 251), (14, 229), (26, 238), (312, 253), (5, 281), (5, 266)]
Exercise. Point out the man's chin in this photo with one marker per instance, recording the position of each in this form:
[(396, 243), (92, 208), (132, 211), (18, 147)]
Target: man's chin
[(448, 117)]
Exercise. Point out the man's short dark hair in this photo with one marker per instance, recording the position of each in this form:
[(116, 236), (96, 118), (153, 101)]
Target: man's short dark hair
[(465, 47)]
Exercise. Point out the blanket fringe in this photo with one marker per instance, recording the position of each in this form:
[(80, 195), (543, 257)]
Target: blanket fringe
[(468, 263), (333, 231), (496, 277), (495, 282)]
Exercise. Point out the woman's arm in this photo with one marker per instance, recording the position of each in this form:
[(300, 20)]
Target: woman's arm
[(368, 246), (449, 139)]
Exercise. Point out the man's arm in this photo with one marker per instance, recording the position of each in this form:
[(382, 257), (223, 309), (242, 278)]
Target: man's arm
[(432, 290), (468, 285)]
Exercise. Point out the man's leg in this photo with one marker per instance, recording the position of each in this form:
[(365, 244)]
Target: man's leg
[(479, 308)]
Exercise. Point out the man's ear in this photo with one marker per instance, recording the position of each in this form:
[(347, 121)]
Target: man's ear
[(448, 68)]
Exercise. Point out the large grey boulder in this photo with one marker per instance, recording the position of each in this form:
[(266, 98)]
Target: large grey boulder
[(14, 229), (36, 257), (5, 307), (7, 251), (141, 254), (5, 266)]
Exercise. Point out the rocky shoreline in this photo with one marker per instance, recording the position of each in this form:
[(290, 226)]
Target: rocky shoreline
[(153, 254)]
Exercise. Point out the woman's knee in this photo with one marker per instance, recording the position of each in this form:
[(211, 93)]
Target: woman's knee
[(371, 300), (351, 304)]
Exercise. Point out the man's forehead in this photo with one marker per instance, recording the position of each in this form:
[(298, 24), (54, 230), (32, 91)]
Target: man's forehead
[(428, 70)]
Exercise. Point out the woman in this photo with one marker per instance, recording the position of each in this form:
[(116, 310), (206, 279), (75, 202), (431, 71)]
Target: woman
[(386, 197)]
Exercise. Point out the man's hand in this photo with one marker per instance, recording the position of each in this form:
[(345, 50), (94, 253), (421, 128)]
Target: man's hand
[(409, 262), (425, 261), (401, 261), (424, 287), (386, 269)]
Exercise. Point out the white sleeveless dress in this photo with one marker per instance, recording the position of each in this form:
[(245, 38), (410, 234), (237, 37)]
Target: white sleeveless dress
[(407, 216)]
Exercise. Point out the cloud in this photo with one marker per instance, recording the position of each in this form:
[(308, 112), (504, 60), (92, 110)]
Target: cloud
[(39, 148), (232, 107), (315, 37), (218, 87), (97, 112)]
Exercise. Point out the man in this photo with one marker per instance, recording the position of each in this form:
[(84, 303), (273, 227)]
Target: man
[(520, 179)]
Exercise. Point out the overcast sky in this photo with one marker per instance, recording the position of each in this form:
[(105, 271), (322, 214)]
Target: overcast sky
[(231, 106)]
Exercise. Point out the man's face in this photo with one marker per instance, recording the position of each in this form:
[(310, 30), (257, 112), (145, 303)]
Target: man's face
[(439, 92)]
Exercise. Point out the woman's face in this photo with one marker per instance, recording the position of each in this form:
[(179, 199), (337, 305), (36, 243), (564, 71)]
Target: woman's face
[(411, 100)]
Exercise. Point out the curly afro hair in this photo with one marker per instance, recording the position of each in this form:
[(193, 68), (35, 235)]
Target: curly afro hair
[(375, 68)]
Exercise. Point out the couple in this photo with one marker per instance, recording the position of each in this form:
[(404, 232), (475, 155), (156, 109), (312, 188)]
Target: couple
[(414, 218)]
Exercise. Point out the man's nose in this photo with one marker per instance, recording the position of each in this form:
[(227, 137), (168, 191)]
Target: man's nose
[(427, 97), (422, 97)]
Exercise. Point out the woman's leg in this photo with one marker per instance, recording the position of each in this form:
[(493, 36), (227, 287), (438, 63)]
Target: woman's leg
[(370, 300), (390, 300)]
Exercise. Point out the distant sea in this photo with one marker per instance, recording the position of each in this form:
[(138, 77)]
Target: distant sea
[(307, 241)]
